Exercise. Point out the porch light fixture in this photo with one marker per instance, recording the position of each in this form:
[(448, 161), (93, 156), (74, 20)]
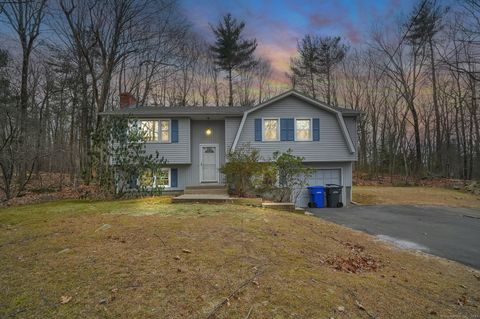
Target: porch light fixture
[(208, 131)]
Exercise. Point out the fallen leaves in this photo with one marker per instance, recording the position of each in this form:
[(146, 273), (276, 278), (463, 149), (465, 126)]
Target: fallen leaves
[(462, 301), (354, 263), (65, 299)]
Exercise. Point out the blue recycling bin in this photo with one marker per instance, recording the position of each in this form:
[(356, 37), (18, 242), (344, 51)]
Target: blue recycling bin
[(317, 196)]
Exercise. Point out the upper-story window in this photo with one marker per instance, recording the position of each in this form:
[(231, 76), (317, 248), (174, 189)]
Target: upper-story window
[(150, 128), (271, 130), (165, 131), (303, 129), (156, 130)]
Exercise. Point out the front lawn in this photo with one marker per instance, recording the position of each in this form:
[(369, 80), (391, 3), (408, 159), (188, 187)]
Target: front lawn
[(414, 195), (147, 258)]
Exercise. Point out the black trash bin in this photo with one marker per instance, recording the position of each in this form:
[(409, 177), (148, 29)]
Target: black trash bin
[(334, 195)]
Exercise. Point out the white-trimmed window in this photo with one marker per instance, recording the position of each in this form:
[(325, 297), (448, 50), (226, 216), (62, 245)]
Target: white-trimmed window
[(165, 131), (164, 178), (150, 128), (303, 129), (150, 180), (271, 129)]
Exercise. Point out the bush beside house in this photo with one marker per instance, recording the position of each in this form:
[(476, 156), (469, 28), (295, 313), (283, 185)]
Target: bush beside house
[(247, 175), (122, 143)]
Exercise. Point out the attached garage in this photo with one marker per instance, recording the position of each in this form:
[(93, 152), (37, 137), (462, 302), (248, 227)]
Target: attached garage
[(327, 175)]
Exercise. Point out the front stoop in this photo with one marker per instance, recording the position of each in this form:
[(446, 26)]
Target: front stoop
[(213, 193), (209, 189), (202, 198)]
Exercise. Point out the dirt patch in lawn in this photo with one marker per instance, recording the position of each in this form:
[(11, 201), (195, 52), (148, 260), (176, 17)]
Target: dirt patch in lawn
[(150, 259), (414, 195)]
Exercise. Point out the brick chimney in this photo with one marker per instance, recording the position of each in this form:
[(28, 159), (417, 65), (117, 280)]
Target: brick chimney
[(126, 100)]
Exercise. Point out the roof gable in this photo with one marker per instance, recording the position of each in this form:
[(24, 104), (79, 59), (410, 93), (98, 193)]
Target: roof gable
[(293, 93)]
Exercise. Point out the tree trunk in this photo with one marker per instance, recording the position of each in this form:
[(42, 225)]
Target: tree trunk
[(230, 88), (22, 141), (438, 133), (418, 143)]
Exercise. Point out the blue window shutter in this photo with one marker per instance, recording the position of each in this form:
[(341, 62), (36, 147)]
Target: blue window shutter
[(132, 183), (174, 177), (316, 129), (258, 129), (287, 128), (290, 129), (283, 129), (174, 131)]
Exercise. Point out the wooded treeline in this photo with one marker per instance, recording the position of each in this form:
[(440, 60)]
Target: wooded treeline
[(69, 61), (65, 61), (415, 79)]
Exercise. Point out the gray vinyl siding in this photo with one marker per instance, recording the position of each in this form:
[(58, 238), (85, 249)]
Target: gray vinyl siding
[(198, 137), (231, 127), (331, 146), (175, 153)]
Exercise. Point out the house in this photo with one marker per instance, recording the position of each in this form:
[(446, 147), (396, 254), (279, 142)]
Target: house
[(196, 140)]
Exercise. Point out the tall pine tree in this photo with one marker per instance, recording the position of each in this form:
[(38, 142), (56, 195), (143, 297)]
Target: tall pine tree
[(231, 51)]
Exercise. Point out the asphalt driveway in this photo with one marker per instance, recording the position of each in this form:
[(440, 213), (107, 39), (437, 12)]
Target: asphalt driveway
[(453, 233)]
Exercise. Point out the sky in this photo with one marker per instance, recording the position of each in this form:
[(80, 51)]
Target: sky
[(278, 25)]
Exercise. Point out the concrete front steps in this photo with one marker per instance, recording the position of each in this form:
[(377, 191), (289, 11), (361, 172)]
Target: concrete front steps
[(208, 189), (203, 198), (213, 193), (208, 193)]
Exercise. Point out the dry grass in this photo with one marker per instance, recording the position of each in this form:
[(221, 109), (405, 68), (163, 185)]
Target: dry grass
[(283, 265), (414, 196)]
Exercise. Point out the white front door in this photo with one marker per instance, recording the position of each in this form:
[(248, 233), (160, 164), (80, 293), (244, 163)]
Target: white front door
[(208, 163)]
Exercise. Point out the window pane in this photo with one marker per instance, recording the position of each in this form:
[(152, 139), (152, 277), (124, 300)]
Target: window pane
[(165, 128), (165, 125), (151, 130), (146, 179), (165, 136), (303, 130), (162, 177), (270, 130)]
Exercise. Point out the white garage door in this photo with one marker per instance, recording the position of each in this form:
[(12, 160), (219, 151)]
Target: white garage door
[(318, 177)]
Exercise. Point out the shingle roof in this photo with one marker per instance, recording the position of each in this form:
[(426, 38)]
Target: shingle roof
[(140, 110), (346, 111), (180, 110)]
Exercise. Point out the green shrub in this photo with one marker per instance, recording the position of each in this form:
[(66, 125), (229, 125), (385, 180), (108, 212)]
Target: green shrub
[(274, 180), (119, 155), (292, 174), (242, 168)]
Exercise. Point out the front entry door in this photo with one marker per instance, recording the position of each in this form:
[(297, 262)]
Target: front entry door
[(209, 163)]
